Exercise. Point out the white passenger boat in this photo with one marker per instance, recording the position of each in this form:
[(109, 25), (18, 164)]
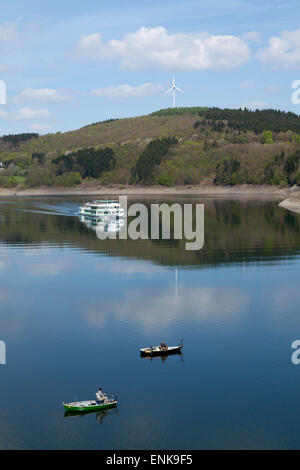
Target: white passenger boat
[(102, 209)]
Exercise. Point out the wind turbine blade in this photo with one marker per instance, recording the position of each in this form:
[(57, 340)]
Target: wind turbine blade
[(168, 91), (179, 89)]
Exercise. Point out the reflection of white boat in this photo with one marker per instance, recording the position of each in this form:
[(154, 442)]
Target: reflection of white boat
[(102, 209), (103, 225)]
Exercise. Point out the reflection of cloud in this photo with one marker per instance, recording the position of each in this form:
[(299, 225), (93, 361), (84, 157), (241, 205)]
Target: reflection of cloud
[(2, 264), (285, 303), (95, 315), (11, 324), (160, 309), (47, 268), (129, 267), (4, 294), (10, 321), (39, 251), (286, 297)]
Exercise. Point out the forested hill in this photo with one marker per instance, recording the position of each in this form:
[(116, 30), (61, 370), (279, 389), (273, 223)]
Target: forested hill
[(168, 147)]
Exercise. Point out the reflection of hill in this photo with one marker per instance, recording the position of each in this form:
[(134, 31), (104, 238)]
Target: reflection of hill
[(234, 232)]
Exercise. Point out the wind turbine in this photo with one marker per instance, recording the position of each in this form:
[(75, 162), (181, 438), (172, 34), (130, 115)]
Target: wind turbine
[(173, 89)]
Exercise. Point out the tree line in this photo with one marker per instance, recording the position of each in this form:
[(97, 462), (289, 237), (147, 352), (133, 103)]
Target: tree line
[(256, 121), (17, 138)]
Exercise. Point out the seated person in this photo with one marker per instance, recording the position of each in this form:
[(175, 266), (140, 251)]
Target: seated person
[(163, 345), (100, 396)]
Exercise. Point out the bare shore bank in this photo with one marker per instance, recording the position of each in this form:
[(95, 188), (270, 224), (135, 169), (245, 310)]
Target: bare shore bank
[(292, 202), (87, 189)]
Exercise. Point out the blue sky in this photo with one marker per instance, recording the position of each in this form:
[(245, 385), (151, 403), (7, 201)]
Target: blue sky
[(67, 64)]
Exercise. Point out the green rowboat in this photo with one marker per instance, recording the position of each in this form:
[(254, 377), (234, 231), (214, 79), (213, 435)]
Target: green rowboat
[(89, 405)]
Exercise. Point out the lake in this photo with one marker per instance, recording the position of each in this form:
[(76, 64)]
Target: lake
[(74, 311)]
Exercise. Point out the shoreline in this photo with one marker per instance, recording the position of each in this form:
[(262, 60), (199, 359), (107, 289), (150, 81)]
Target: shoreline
[(292, 202), (260, 191)]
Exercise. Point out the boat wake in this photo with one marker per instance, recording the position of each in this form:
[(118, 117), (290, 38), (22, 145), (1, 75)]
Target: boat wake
[(65, 209)]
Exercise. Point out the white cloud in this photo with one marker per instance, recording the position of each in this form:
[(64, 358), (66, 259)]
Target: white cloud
[(39, 127), (43, 94), (3, 113), (273, 88), (128, 91), (8, 32), (30, 113), (254, 36), (156, 48), (8, 36), (247, 84), (255, 105), (283, 52)]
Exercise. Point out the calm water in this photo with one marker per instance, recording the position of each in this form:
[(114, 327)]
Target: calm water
[(74, 311)]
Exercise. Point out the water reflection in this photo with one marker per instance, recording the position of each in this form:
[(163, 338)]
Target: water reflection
[(235, 232), (74, 311), (100, 225), (163, 357), (144, 306), (100, 415)]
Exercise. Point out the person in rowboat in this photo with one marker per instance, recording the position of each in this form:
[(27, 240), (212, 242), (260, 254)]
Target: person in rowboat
[(163, 345), (100, 396)]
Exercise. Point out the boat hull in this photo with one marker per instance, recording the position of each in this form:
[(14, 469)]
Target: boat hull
[(156, 351), (100, 217), (83, 407)]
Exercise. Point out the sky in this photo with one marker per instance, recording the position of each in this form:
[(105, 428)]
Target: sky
[(67, 64)]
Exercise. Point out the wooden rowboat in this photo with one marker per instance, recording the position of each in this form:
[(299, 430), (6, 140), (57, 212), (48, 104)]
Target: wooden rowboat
[(159, 351), (89, 405)]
